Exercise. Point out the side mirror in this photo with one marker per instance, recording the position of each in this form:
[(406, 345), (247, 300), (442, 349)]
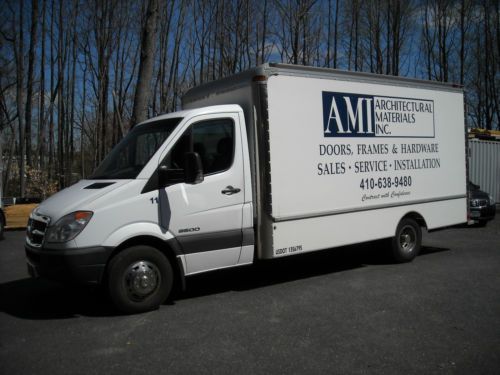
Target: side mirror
[(168, 176), (193, 168), (162, 175)]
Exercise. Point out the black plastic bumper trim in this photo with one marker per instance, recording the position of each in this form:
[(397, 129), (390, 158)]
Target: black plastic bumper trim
[(83, 265), (216, 241)]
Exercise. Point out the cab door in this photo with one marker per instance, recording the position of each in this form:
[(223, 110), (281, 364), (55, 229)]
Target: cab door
[(206, 217)]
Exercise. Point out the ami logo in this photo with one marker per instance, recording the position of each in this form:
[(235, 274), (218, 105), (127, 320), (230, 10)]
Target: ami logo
[(348, 115)]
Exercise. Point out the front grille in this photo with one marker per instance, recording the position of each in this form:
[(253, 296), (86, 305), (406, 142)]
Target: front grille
[(479, 202), (35, 232)]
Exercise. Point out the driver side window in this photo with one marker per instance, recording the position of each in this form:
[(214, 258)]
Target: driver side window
[(213, 140)]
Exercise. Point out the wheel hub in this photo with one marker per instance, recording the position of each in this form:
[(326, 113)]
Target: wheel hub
[(407, 239), (142, 279)]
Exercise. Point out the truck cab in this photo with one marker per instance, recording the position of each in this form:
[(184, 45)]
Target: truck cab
[(171, 199)]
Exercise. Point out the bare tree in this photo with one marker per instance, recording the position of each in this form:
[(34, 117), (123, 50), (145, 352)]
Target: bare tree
[(41, 94), (53, 90), (165, 26), (29, 83), (375, 19), (263, 37), (428, 40), (443, 25), (146, 63), (19, 59), (173, 77), (61, 57), (293, 16)]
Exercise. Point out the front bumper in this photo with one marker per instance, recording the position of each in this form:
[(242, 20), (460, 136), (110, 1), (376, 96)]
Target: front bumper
[(83, 266), (483, 213)]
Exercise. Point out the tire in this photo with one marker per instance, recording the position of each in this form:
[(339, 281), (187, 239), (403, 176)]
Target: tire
[(406, 244), (140, 278)]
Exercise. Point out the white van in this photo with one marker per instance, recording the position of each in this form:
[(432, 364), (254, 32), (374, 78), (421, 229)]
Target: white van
[(275, 161)]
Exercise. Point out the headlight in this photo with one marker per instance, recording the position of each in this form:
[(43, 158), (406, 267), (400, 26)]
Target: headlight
[(68, 227), (492, 201)]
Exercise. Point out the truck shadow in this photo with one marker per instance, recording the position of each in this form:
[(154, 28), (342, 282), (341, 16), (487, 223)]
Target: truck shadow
[(277, 271), (41, 299)]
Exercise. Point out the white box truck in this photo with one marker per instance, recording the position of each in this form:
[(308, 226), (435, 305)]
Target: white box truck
[(276, 161)]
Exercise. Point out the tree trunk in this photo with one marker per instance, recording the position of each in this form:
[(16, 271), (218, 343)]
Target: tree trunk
[(264, 34), (462, 40), (72, 104), (52, 93), (29, 83), (19, 57), (41, 109), (146, 64), (60, 100), (335, 33)]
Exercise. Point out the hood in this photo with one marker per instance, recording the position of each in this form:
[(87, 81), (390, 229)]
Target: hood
[(77, 197), (479, 194)]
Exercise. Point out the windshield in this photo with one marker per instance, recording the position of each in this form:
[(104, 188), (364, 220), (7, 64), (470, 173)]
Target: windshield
[(129, 156)]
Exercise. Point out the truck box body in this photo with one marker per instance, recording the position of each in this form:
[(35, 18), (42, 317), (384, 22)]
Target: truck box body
[(340, 158), (275, 161)]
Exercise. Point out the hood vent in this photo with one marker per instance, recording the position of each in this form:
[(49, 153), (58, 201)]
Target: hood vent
[(98, 185)]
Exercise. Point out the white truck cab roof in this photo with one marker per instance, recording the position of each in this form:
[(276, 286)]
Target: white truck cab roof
[(189, 113)]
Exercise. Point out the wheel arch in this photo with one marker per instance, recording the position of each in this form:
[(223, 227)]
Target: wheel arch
[(415, 216)]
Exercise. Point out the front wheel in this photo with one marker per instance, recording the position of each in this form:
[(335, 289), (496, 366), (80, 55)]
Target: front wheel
[(140, 278), (407, 242)]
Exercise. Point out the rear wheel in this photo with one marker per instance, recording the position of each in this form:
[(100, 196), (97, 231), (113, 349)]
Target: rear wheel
[(140, 278), (407, 242)]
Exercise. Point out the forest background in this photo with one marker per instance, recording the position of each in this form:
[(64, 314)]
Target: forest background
[(75, 75)]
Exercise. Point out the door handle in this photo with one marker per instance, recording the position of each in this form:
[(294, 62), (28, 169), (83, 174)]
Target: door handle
[(229, 190)]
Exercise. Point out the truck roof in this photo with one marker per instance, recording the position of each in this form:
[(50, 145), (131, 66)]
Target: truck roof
[(194, 112), (269, 69)]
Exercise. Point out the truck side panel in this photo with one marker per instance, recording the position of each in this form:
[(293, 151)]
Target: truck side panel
[(315, 172), (303, 235)]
